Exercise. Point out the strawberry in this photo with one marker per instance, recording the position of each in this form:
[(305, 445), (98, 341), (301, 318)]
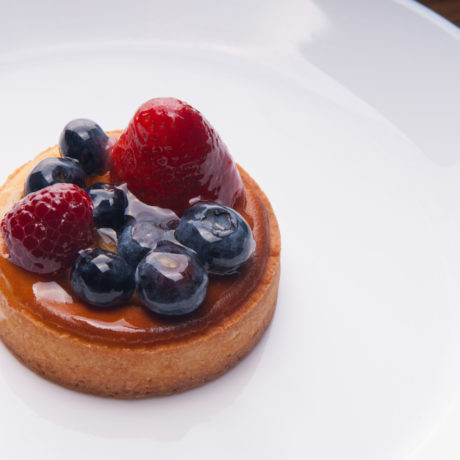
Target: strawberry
[(45, 230), (171, 157)]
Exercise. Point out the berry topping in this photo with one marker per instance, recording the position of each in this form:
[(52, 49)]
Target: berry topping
[(137, 238), (219, 235), (109, 205), (171, 283), (52, 171), (45, 230), (102, 278), (84, 141), (170, 156), (175, 247), (106, 238)]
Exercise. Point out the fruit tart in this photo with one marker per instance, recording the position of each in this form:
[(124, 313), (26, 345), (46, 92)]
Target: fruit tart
[(136, 263)]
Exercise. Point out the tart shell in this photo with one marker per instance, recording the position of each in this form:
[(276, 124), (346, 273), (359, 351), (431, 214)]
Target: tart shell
[(124, 371)]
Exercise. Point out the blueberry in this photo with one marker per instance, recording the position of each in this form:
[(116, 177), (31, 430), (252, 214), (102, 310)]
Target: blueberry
[(53, 170), (218, 234), (109, 205), (137, 238), (85, 141), (102, 278), (174, 247), (171, 283)]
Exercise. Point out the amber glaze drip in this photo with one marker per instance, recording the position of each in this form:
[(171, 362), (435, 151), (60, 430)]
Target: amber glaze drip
[(132, 324)]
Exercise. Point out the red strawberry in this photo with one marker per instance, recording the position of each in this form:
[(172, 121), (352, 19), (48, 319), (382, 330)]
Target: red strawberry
[(170, 156), (45, 230)]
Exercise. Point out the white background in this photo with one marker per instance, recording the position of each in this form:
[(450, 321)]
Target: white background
[(347, 114)]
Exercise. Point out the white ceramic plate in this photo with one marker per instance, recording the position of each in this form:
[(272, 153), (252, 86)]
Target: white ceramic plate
[(347, 115)]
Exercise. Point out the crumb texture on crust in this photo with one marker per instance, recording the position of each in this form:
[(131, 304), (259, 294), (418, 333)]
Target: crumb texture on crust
[(126, 372)]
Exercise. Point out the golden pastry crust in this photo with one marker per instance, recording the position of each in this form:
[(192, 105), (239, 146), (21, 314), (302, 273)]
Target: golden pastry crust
[(123, 371)]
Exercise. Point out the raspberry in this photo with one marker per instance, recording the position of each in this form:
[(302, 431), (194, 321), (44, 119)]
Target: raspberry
[(45, 230), (170, 156)]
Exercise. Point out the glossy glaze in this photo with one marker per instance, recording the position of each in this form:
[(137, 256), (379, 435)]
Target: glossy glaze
[(131, 323)]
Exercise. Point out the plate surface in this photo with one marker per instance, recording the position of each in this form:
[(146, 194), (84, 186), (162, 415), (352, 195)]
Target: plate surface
[(347, 114)]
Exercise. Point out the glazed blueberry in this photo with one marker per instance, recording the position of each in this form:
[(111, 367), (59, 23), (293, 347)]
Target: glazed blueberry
[(102, 278), (109, 205), (137, 238), (85, 141), (218, 234), (53, 170), (174, 247), (171, 283)]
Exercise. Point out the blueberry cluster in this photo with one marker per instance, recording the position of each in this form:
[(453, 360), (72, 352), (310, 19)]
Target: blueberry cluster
[(84, 148), (169, 267), (165, 259)]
